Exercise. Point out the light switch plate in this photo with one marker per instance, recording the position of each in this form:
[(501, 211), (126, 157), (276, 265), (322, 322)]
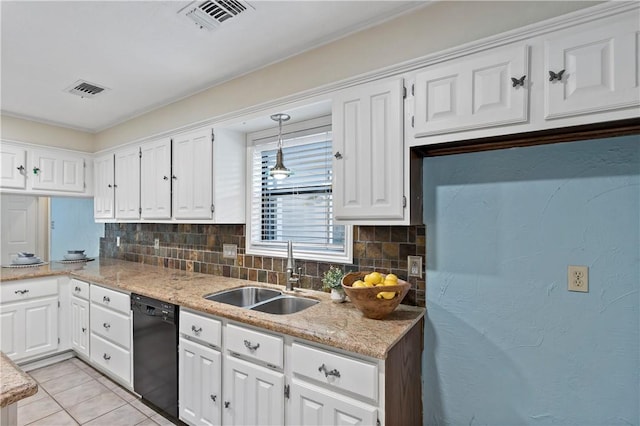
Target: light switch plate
[(229, 251), (414, 266)]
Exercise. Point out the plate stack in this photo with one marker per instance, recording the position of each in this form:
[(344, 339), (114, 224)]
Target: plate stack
[(25, 258), (75, 255)]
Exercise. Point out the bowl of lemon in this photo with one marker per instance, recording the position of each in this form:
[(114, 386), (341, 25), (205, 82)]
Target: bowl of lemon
[(375, 294)]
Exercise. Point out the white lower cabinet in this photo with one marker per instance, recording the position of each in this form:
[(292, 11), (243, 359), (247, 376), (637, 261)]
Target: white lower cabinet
[(253, 394), (200, 384), (29, 318), (80, 326)]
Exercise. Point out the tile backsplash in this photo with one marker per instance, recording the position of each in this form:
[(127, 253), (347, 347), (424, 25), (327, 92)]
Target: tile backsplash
[(198, 248)]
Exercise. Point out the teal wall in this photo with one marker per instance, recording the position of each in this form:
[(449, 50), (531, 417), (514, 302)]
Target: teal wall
[(505, 342), (73, 227)]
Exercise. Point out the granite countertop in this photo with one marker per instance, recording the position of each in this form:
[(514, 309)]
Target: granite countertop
[(16, 384), (339, 325)]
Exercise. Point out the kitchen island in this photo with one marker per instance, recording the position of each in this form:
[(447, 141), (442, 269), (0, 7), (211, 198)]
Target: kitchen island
[(15, 385)]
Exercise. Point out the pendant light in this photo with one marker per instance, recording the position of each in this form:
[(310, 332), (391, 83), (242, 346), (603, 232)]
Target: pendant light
[(279, 171)]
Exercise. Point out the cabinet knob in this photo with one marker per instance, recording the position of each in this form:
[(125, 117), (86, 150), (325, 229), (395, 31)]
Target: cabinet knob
[(556, 76), (106, 299), (84, 329), (213, 398), (165, 177), (227, 404), (196, 330), (77, 289), (106, 357), (173, 177), (21, 169), (106, 325), (327, 372), (115, 186), (36, 170), (518, 81), (251, 347), (338, 155)]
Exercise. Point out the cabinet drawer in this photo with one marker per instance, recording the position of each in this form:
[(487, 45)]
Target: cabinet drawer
[(111, 325), (255, 345), (111, 299), (337, 371), (80, 289), (30, 289), (111, 358), (200, 327)]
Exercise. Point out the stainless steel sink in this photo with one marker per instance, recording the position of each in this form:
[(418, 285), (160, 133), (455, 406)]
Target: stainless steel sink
[(244, 296), (283, 305), (262, 299)]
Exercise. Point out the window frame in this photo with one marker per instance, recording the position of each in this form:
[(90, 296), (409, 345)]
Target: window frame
[(267, 139)]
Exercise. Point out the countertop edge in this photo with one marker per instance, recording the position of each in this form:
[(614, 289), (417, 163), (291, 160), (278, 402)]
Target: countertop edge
[(16, 384)]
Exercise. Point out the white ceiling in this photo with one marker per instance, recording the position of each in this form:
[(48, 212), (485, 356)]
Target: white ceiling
[(148, 55)]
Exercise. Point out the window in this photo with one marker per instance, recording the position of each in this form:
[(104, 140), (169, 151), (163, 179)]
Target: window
[(300, 207)]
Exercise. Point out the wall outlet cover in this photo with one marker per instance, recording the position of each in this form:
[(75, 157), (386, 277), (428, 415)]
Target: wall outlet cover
[(578, 278), (229, 251), (414, 266)]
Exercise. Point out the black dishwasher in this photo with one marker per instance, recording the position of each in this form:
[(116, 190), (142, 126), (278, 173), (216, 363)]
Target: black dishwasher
[(155, 352)]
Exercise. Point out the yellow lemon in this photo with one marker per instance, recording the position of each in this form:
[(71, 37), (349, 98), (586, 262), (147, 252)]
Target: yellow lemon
[(393, 277), (386, 295), (373, 278), (358, 283), (390, 282), (368, 284)]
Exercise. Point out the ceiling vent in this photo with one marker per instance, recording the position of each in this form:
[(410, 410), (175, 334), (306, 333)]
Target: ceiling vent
[(84, 89), (210, 14)]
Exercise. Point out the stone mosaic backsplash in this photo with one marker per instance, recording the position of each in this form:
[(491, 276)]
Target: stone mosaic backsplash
[(198, 248)]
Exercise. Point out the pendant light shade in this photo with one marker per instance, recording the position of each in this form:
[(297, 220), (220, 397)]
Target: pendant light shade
[(279, 171)]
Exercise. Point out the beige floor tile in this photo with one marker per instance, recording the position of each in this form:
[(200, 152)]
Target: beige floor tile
[(161, 420), (126, 415), (110, 384), (95, 407), (80, 393), (68, 381), (142, 407), (80, 363), (147, 422), (124, 394), (61, 418), (39, 395), (37, 410), (52, 371), (94, 373)]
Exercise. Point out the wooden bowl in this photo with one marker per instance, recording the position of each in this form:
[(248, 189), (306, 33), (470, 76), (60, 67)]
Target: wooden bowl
[(366, 298)]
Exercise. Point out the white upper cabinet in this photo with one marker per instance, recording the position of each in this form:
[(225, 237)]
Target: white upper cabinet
[(368, 144), (104, 191), (192, 175), (127, 183), (14, 166), (481, 90), (593, 67), (57, 171), (155, 179)]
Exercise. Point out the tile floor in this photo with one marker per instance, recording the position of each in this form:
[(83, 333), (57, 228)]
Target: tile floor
[(73, 393)]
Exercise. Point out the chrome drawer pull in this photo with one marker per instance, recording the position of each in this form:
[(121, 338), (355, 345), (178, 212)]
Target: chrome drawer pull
[(21, 291), (106, 357), (84, 329), (106, 325), (106, 299), (213, 398), (196, 330), (251, 347), (227, 404), (77, 289), (328, 373)]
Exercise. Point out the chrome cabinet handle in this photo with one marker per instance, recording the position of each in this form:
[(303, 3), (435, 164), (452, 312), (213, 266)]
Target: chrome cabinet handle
[(173, 177), (556, 76), (77, 289), (106, 299), (213, 398), (196, 330), (106, 325), (165, 177), (328, 373), (251, 347), (227, 404), (84, 329), (36, 170), (110, 186), (20, 169), (518, 81), (338, 155), (21, 291), (106, 357)]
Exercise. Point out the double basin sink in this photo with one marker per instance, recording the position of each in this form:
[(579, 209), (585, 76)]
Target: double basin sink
[(262, 300)]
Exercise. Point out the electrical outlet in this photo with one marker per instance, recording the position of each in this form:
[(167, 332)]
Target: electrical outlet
[(229, 251), (414, 266), (156, 243), (117, 241), (578, 278)]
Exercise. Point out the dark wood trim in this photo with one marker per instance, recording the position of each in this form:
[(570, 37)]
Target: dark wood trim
[(564, 134), (403, 377)]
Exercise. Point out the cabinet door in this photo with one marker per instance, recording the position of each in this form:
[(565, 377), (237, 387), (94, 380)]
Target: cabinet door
[(311, 405), (253, 395), (200, 395), (12, 327), (192, 175), (155, 180), (473, 92), (127, 183), (57, 171), (13, 165), (103, 191), (80, 325), (368, 142), (599, 65)]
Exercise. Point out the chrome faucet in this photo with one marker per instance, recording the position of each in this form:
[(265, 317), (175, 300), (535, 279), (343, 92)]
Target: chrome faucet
[(292, 277)]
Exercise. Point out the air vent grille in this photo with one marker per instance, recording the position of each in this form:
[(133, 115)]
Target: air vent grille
[(210, 14), (84, 89)]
